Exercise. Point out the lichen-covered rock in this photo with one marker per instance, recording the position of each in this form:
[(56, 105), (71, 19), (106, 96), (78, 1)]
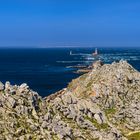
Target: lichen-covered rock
[(103, 104), (1, 86)]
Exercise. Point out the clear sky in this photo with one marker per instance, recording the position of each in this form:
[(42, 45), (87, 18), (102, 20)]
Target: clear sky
[(69, 22)]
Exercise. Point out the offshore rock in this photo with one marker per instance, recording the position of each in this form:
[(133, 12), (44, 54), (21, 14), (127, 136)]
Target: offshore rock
[(103, 104)]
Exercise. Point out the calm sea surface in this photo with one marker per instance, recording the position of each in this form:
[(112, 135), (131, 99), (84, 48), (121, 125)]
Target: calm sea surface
[(49, 70)]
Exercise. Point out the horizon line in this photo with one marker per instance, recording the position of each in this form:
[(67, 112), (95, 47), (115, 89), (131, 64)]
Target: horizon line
[(63, 46)]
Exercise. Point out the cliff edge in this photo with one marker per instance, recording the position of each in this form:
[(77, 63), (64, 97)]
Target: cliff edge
[(103, 104)]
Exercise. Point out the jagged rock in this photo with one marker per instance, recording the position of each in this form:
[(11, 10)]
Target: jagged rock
[(99, 118), (7, 85), (23, 88), (47, 117), (1, 86), (98, 64), (21, 110), (44, 124), (10, 102)]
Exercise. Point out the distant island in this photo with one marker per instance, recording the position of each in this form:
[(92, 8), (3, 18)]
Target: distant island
[(103, 104)]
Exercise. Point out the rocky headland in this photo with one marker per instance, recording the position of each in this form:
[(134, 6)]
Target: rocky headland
[(103, 104)]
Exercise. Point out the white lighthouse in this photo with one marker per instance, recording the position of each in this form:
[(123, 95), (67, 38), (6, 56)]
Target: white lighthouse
[(96, 52)]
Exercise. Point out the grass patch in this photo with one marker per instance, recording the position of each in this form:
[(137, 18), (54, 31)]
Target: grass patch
[(134, 136), (110, 111), (103, 126), (89, 84), (55, 137)]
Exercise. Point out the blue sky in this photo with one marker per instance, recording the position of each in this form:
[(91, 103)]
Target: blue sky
[(46, 23)]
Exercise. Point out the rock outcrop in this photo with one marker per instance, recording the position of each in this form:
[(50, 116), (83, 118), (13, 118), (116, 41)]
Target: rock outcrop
[(103, 104)]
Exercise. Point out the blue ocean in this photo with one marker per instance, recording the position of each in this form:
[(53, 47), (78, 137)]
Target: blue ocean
[(47, 70)]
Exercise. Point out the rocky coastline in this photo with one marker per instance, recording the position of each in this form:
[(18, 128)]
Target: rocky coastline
[(86, 69), (103, 104)]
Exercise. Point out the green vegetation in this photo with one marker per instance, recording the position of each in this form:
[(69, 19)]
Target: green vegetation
[(55, 137), (134, 136), (70, 85), (110, 111), (2, 92), (96, 124), (89, 84)]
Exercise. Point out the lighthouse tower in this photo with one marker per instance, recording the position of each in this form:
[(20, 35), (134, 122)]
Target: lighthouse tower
[(96, 52)]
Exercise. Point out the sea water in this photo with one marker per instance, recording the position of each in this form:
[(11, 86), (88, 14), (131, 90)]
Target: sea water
[(47, 70)]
